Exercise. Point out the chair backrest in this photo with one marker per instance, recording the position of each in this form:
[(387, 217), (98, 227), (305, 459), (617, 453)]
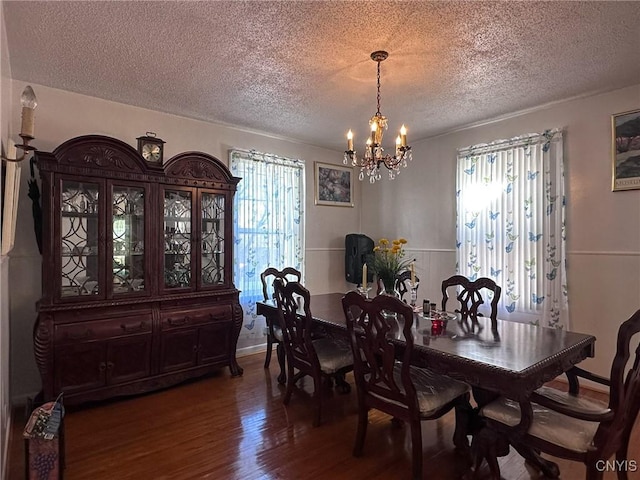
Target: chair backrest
[(294, 314), (270, 274), (624, 392), (374, 353), (403, 281), (470, 297)]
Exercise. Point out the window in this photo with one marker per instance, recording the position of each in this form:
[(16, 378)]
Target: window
[(510, 224), (268, 227)]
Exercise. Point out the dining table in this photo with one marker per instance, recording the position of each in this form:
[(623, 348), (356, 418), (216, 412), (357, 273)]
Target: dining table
[(512, 360)]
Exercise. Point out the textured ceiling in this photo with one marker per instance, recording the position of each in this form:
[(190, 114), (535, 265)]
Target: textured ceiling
[(301, 69)]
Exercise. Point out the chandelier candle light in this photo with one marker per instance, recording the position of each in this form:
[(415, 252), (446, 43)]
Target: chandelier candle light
[(374, 155)]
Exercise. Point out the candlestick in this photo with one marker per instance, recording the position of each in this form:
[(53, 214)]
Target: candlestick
[(350, 140), (413, 273)]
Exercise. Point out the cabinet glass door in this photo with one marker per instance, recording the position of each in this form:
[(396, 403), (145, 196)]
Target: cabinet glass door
[(212, 253), (128, 220), (177, 238), (79, 236)]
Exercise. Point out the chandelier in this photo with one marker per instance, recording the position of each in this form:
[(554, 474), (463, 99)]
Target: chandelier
[(374, 155)]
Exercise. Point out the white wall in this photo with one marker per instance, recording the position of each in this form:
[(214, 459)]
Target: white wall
[(63, 115), (5, 130), (603, 227)]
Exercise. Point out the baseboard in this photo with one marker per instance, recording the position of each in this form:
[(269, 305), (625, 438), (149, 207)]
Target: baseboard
[(243, 352), (584, 384)]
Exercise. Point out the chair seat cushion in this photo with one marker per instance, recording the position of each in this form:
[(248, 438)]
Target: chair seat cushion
[(332, 355), (576, 402), (277, 333), (553, 427), (433, 390)]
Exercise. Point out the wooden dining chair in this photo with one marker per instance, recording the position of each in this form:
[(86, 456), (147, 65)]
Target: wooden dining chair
[(323, 359), (403, 283), (567, 425), (274, 332), (470, 297), (385, 378)]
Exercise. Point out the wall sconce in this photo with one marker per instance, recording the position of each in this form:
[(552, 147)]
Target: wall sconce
[(29, 103)]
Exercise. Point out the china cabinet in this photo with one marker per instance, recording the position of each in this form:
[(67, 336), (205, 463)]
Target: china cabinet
[(137, 290)]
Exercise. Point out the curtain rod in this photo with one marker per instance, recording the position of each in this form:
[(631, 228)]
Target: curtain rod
[(548, 136), (267, 155)]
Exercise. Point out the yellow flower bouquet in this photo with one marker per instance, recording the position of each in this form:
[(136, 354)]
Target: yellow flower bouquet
[(388, 262)]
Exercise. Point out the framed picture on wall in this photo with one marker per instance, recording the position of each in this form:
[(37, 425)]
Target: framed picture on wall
[(334, 185), (626, 150)]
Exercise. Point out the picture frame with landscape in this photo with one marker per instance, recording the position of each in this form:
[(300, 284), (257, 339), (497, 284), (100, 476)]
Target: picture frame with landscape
[(333, 185), (625, 141)]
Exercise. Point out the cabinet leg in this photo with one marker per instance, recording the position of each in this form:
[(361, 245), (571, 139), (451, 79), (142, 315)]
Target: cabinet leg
[(236, 370)]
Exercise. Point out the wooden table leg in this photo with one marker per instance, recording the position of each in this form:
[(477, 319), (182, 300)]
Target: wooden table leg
[(549, 468)]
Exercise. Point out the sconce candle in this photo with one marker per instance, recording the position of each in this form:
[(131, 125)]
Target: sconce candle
[(27, 129), (350, 140), (29, 103)]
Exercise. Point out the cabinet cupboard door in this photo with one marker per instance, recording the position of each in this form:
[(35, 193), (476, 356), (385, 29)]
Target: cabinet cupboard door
[(177, 261), (179, 349), (212, 246), (127, 233), (214, 343), (80, 367), (79, 231), (129, 358)]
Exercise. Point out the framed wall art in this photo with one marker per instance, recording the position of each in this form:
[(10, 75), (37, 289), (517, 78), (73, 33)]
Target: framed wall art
[(334, 185), (625, 143)]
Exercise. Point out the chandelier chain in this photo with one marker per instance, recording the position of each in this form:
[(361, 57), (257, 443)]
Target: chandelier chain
[(378, 97)]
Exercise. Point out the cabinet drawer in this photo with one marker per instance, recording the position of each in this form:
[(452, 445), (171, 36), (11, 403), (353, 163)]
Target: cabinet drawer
[(100, 329), (182, 318)]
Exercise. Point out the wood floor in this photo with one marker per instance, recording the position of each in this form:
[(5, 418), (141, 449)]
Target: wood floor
[(237, 428)]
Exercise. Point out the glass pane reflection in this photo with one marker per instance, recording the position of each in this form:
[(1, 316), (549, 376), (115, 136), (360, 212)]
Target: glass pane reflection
[(212, 269), (177, 239), (128, 239), (79, 238)]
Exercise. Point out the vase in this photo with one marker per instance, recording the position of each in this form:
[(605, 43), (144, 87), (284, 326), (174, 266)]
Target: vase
[(389, 283)]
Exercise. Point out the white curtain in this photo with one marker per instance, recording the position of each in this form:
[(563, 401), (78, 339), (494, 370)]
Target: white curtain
[(511, 224), (268, 229)]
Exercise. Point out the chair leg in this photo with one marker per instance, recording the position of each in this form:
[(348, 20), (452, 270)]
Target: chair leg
[(363, 421), (282, 377), (621, 456), (593, 473), (291, 380), (416, 449), (463, 411), (267, 359), (342, 386), (317, 392)]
